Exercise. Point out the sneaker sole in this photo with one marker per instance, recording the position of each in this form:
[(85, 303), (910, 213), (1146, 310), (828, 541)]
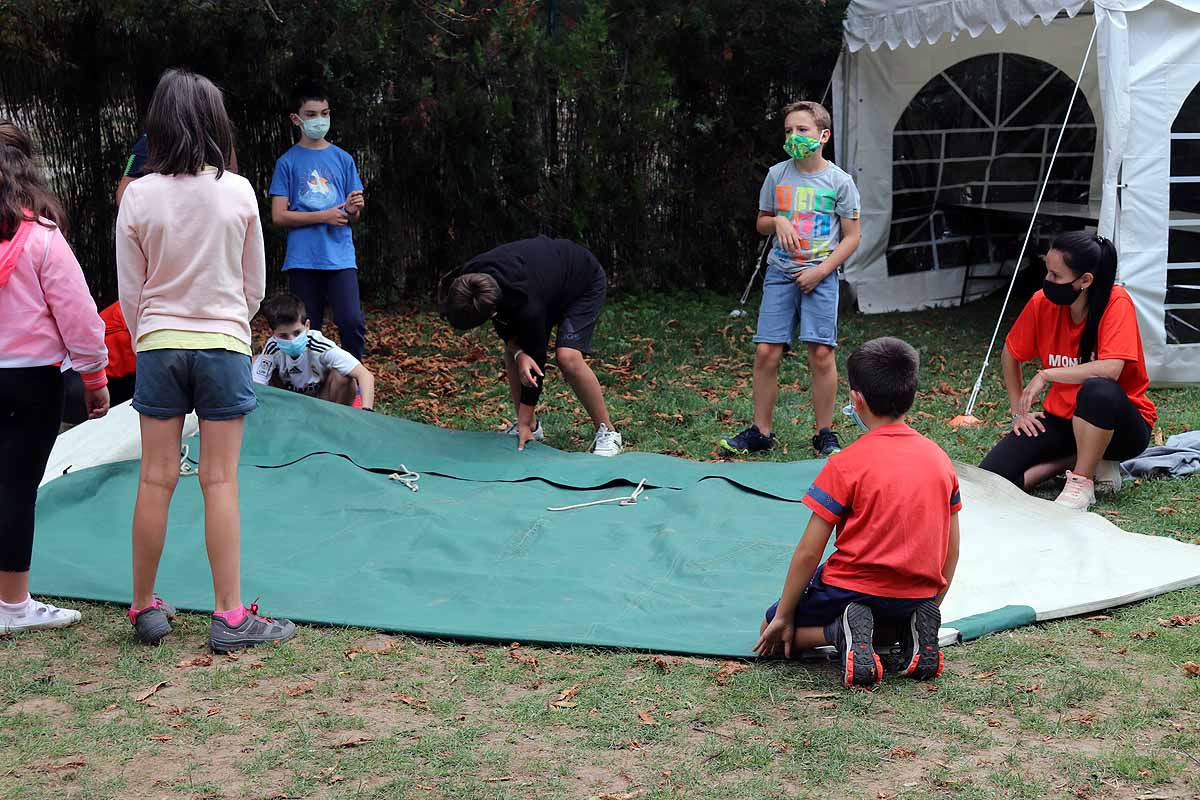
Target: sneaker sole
[(42, 626), (927, 659), (229, 646), (861, 665)]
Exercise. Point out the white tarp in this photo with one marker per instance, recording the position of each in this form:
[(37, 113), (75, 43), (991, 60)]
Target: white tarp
[(1145, 62), (1020, 550)]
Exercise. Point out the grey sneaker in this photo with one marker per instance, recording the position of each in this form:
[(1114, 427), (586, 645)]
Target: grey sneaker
[(152, 623), (223, 637)]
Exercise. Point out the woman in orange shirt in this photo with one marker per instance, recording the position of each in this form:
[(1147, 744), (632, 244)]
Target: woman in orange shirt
[(1083, 330)]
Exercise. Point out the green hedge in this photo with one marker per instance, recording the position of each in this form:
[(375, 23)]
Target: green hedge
[(642, 129)]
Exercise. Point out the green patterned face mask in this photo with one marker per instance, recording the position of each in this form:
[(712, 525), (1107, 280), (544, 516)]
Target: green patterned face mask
[(797, 145)]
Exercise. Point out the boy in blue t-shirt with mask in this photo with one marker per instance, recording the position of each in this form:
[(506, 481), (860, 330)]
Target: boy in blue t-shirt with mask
[(316, 193)]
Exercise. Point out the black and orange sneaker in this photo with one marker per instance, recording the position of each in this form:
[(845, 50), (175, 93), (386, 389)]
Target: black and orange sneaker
[(920, 654), (852, 635)]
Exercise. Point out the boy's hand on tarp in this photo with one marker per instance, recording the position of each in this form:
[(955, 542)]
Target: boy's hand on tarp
[(524, 435), (778, 631)]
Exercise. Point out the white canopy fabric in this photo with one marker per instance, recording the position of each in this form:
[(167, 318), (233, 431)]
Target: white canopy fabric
[(1144, 64)]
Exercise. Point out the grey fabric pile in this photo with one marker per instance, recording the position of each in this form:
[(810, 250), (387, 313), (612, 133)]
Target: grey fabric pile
[(1180, 456)]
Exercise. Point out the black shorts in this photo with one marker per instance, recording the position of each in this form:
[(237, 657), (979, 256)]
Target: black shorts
[(578, 325)]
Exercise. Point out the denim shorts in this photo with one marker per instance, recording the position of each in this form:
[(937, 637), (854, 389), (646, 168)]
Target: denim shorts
[(785, 308), (821, 604), (215, 383)]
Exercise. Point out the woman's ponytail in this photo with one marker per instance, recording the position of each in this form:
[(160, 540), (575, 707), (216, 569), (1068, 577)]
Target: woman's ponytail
[(1083, 253)]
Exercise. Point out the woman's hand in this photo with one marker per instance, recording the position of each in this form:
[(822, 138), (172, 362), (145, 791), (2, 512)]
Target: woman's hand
[(1028, 424), (1032, 393)]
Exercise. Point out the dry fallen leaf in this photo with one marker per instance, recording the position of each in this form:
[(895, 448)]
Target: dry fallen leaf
[(1147, 634), (497, 780), (645, 718), (212, 711), (1098, 618), (74, 763), (1121, 651), (630, 795), (87, 682), (983, 676), (162, 737), (661, 663), (1033, 687), (204, 660), (901, 752), (1180, 621), (146, 695), (1166, 510), (963, 421), (728, 669), (1100, 633), (301, 688), (409, 700), (357, 741), (1191, 668), (375, 646), (564, 698)]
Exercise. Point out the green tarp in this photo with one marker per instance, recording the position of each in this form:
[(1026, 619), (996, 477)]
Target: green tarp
[(329, 538)]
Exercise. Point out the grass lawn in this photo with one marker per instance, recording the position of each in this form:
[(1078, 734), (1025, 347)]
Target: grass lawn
[(1095, 708)]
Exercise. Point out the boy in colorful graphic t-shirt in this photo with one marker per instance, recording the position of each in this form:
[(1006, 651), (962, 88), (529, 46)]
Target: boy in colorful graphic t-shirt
[(316, 193), (893, 497), (810, 206)]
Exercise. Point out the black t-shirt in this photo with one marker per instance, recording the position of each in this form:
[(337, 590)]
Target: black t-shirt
[(135, 167), (539, 279)]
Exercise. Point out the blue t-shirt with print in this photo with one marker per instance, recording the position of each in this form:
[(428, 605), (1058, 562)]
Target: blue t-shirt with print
[(314, 180)]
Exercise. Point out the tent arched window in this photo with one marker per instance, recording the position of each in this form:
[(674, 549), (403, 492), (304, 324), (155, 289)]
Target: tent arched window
[(982, 131), (1182, 308)]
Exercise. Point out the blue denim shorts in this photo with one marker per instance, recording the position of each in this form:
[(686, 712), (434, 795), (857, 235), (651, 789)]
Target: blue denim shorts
[(214, 383), (786, 309), (821, 604)]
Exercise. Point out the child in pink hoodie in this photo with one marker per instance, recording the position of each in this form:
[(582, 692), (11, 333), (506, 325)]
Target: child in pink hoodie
[(191, 273), (46, 314)]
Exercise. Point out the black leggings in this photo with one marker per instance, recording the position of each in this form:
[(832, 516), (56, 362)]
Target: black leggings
[(1103, 403), (30, 412)]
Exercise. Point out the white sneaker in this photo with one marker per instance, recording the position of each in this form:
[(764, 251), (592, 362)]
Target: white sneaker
[(538, 434), (1108, 477), (1079, 494), (37, 616), (608, 442)]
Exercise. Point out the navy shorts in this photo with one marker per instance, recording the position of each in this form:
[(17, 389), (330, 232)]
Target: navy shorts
[(216, 384), (821, 604), (578, 325)]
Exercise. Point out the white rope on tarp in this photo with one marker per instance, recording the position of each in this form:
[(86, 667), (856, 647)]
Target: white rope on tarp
[(987, 356), (407, 477), (185, 464), (628, 500)]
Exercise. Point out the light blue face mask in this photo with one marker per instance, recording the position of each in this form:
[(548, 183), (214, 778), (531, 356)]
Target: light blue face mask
[(849, 411), (315, 127), (293, 347)]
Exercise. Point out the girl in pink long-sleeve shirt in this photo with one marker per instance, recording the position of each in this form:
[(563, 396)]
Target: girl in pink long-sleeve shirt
[(191, 273), (46, 314)]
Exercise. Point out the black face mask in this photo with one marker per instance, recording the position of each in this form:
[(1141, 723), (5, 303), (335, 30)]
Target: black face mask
[(1062, 294)]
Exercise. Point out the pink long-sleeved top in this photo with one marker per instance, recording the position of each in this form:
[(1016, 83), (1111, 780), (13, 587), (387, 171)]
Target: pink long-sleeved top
[(46, 310), (190, 254)]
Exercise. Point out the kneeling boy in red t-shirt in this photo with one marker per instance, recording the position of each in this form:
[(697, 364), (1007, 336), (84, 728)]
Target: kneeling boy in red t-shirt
[(893, 497)]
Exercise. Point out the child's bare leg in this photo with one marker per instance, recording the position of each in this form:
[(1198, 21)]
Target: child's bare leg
[(338, 388), (823, 366), (514, 383), (584, 383), (808, 638), (766, 384), (220, 449), (1038, 474), (156, 483)]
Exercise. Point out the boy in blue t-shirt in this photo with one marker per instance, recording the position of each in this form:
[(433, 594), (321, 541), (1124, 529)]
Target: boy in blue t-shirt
[(316, 193)]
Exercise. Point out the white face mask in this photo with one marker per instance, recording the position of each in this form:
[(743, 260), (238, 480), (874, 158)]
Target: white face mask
[(315, 127)]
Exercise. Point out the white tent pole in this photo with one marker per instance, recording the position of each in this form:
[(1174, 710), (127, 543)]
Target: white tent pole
[(1029, 233)]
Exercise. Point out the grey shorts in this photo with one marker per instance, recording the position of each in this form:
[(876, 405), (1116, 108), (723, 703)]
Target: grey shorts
[(786, 309), (216, 384)]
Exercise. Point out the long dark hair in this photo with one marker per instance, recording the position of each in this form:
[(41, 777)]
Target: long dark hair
[(187, 126), (1084, 252), (23, 186)]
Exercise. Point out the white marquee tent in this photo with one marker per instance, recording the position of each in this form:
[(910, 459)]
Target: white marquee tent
[(947, 113)]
